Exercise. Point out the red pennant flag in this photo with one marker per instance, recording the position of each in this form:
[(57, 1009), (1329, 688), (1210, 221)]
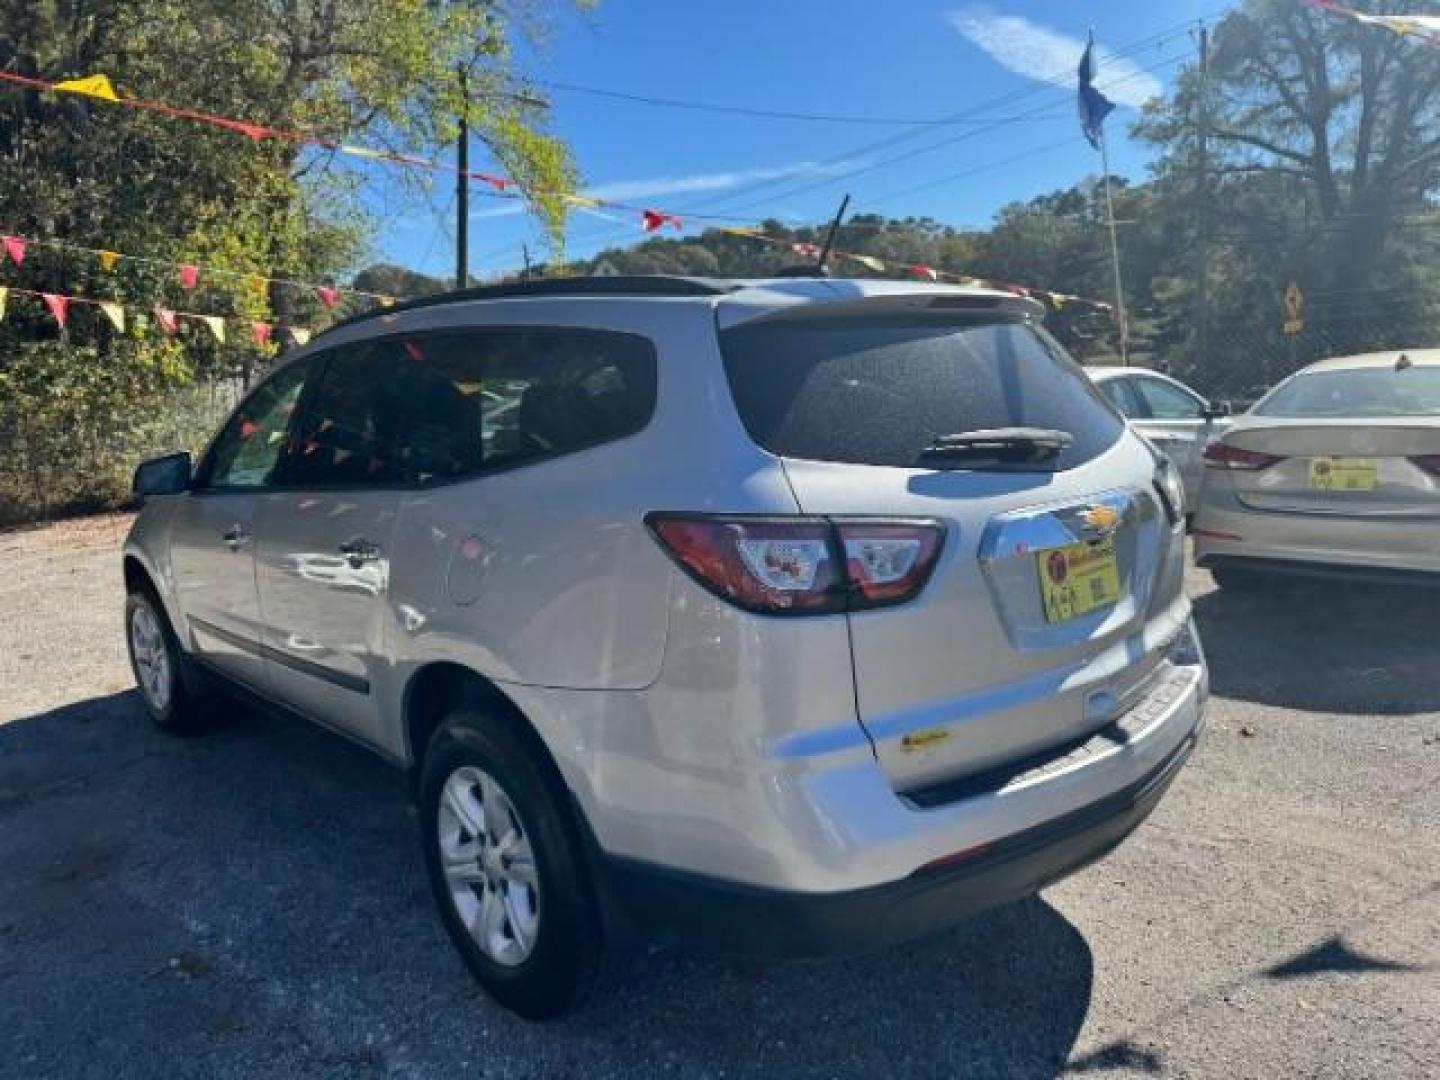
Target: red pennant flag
[(58, 305), (328, 295), (189, 275), (169, 321), (920, 270), (260, 331), (806, 251), (652, 220), (15, 248)]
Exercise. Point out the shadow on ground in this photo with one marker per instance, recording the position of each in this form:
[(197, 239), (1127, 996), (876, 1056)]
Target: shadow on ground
[(1325, 646), (253, 902)]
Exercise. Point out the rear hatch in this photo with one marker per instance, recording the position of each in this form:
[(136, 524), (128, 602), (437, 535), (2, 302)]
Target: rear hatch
[(986, 666)]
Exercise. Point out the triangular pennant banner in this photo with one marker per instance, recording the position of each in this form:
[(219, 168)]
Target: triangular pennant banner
[(387, 301), (260, 331), (216, 325), (300, 335), (57, 304), (258, 285), (108, 259), (96, 86), (920, 270), (652, 220), (169, 321), (115, 313), (15, 248), (328, 294), (189, 275)]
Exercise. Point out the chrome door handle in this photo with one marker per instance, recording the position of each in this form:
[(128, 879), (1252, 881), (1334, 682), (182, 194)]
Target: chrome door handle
[(359, 551), (236, 537)]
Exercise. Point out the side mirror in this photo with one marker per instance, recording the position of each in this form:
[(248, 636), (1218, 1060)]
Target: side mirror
[(166, 475), (1217, 409)]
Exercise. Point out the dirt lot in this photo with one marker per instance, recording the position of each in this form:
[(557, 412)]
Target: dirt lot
[(252, 902)]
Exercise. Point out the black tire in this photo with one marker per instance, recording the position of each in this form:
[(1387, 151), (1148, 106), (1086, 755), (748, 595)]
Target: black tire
[(180, 710), (565, 954), (1236, 579)]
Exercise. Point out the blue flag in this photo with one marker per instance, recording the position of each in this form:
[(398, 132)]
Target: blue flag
[(1094, 106)]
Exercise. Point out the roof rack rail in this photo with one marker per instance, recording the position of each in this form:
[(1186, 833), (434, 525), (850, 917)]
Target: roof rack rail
[(602, 285)]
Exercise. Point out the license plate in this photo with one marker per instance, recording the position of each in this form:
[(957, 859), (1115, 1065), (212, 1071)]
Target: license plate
[(1078, 578), (1343, 474)]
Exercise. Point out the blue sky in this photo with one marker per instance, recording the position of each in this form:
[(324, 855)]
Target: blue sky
[(1005, 67)]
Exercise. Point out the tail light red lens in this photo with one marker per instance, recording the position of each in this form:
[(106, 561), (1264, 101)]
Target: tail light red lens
[(1429, 462), (802, 565), (1222, 455)]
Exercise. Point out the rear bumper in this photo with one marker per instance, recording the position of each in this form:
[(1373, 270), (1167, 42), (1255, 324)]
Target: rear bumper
[(1224, 529), (744, 918)]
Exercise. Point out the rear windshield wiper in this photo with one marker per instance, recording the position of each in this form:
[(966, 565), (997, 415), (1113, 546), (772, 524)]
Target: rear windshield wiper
[(1012, 444)]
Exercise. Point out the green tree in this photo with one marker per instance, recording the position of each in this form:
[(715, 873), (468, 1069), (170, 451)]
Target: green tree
[(1324, 159), (380, 72)]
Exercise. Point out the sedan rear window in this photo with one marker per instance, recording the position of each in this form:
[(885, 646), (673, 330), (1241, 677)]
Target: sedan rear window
[(880, 390), (1371, 391)]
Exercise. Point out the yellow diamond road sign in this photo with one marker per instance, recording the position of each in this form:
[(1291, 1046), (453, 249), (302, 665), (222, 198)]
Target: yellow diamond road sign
[(1294, 309)]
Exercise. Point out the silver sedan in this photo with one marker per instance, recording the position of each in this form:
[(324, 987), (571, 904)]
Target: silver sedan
[(1335, 471)]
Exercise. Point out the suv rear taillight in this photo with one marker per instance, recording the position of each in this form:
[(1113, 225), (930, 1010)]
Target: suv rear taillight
[(802, 565), (1222, 455), (1429, 462)]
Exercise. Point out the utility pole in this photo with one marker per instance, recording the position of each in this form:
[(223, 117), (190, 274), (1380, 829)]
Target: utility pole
[(462, 184), (1202, 204)]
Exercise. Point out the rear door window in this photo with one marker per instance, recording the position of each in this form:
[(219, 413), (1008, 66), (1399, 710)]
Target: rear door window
[(491, 398), (1168, 402), (1123, 396), (877, 390)]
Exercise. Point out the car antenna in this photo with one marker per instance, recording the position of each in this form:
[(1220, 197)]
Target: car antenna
[(820, 266), (1404, 362)]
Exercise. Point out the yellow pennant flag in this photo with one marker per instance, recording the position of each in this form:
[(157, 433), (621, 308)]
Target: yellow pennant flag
[(96, 86), (4, 295), (300, 334), (115, 313), (217, 326), (258, 285), (581, 200), (108, 259), (387, 301)]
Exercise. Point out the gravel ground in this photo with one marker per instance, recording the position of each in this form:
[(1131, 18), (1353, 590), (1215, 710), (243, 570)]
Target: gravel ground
[(252, 902)]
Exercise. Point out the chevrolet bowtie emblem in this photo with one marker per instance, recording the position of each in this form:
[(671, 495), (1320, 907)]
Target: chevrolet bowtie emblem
[(1099, 518)]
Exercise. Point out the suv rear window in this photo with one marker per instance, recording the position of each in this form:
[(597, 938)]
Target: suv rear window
[(879, 390)]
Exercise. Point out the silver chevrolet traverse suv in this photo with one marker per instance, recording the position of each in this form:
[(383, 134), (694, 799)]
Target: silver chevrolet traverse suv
[(801, 615)]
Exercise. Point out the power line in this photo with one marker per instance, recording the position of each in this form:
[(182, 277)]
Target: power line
[(741, 110), (989, 125)]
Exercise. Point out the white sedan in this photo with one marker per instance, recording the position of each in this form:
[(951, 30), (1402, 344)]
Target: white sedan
[(1179, 421)]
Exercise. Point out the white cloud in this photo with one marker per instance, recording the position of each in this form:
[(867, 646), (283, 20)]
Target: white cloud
[(1037, 52), (665, 186)]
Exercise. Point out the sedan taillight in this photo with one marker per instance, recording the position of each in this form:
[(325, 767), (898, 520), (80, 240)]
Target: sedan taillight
[(1429, 462), (1222, 455), (802, 565)]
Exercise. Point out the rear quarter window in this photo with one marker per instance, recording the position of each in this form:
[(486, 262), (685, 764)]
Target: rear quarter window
[(879, 390)]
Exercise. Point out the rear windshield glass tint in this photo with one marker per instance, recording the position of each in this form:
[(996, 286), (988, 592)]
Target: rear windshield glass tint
[(878, 391), (1377, 391)]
